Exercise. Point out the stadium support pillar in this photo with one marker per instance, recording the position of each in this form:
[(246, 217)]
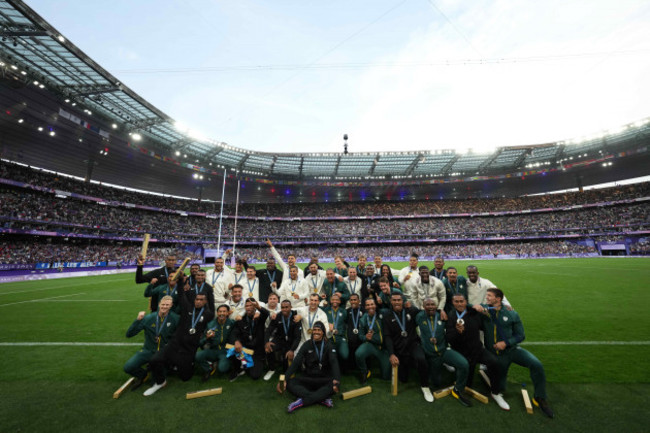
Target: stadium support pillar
[(234, 236), (223, 195), (89, 169), (579, 183)]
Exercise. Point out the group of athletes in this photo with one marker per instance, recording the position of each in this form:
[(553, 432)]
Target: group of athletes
[(312, 324)]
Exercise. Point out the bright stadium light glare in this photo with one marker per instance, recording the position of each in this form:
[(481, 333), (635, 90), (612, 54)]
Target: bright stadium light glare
[(136, 136), (178, 153), (61, 38)]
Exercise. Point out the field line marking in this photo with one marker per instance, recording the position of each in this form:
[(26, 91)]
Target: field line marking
[(78, 283), (586, 343), (532, 343), (41, 299), (68, 343), (90, 300)]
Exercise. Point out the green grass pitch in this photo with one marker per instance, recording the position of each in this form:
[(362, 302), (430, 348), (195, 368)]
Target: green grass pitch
[(593, 387)]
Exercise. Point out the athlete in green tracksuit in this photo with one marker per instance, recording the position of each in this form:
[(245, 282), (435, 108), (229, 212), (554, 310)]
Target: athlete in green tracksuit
[(214, 345), (337, 317), (454, 284), (158, 328), (166, 289), (503, 333), (436, 351), (372, 335), (332, 285)]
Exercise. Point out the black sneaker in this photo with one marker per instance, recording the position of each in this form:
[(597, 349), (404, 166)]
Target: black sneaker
[(137, 383), (235, 374), (363, 377), (544, 406), (460, 397)]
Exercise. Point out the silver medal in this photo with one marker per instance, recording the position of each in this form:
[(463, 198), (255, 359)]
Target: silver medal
[(192, 331), (461, 322), (355, 331), (404, 334)]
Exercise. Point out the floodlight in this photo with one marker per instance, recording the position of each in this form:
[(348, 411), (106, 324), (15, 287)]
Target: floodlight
[(137, 137)]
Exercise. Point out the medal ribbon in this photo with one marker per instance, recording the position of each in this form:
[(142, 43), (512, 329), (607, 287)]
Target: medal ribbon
[(250, 291), (194, 322), (251, 322), (199, 289), (402, 324), (311, 319), (356, 322), (287, 325), (271, 278), (237, 280), (315, 283), (433, 329), (460, 316), (319, 354), (159, 328), (372, 325), (354, 289), (435, 325), (214, 280)]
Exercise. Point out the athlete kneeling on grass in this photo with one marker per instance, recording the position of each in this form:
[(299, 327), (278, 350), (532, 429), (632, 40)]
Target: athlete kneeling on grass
[(321, 377)]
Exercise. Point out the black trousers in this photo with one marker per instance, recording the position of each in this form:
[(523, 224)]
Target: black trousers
[(413, 357), (254, 372), (169, 357), (492, 363), (311, 389), (277, 358)]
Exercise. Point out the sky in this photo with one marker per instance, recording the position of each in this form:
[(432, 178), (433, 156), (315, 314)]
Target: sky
[(395, 75)]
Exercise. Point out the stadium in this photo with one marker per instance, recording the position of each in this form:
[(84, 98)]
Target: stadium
[(89, 169)]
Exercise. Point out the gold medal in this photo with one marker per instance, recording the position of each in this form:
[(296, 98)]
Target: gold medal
[(309, 331), (250, 295)]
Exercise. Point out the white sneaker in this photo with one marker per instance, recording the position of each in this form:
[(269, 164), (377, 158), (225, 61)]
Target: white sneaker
[(427, 394), (482, 367), (500, 401), (269, 374), (154, 388), (449, 368)]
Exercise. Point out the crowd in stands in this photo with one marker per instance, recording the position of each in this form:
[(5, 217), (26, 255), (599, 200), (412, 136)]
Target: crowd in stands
[(521, 249), (19, 252), (366, 208), (29, 210), (26, 209)]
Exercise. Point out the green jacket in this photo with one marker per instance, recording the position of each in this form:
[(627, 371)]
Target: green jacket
[(148, 324), (459, 287), (158, 292), (425, 323), (364, 327), (337, 287), (502, 325), (221, 334), (340, 321)]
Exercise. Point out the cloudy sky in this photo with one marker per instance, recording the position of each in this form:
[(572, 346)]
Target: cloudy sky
[(294, 76)]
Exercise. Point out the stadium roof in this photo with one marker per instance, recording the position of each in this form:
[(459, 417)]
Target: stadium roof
[(33, 51)]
